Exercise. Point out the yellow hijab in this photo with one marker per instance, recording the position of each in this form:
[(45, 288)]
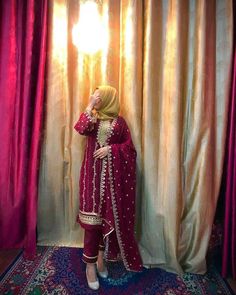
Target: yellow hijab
[(110, 105)]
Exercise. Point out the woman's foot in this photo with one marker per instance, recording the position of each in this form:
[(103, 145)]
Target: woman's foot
[(101, 267), (91, 275)]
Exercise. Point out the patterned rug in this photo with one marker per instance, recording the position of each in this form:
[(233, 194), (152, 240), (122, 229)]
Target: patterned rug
[(59, 270)]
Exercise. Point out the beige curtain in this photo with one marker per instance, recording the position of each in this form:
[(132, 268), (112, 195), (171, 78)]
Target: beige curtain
[(170, 61)]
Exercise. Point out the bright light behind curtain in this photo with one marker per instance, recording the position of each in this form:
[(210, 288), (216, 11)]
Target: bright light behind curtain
[(170, 61)]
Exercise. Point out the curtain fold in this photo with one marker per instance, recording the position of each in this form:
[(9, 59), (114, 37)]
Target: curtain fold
[(229, 181), (22, 72), (185, 111), (170, 61)]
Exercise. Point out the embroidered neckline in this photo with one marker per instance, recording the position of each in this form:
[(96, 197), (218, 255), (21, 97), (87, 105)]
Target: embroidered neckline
[(105, 130)]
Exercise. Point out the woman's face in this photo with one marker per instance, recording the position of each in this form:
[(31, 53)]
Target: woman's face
[(98, 103)]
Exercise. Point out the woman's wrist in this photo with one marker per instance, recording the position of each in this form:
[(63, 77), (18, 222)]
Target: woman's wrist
[(89, 109)]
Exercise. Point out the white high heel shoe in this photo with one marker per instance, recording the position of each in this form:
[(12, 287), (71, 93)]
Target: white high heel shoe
[(103, 274), (92, 285)]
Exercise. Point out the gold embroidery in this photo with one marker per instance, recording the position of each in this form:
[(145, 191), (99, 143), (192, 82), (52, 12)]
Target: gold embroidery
[(90, 219), (102, 183), (94, 179), (90, 257), (103, 132), (115, 211), (85, 175)]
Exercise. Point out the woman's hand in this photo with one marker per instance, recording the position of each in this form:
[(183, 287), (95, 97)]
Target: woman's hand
[(93, 99), (101, 153)]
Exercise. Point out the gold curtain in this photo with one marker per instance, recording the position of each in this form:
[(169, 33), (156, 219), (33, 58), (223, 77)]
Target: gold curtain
[(170, 61)]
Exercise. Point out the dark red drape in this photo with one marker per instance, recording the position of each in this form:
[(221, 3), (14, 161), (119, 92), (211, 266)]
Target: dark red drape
[(229, 180), (23, 30)]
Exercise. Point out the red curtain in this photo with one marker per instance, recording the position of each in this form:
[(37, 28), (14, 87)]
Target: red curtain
[(229, 181), (23, 30)]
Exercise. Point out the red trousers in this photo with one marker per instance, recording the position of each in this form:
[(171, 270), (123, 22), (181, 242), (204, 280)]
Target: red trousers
[(93, 242)]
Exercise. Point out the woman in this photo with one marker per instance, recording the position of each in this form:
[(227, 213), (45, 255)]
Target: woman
[(107, 187)]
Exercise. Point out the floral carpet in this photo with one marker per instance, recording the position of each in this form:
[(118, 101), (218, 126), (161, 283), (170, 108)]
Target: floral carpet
[(59, 270)]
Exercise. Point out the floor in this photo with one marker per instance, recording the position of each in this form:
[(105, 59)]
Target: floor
[(8, 256), (232, 284)]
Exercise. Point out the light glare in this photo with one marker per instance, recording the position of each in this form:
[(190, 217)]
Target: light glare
[(89, 34)]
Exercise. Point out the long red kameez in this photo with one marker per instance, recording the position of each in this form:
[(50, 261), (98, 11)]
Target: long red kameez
[(107, 188)]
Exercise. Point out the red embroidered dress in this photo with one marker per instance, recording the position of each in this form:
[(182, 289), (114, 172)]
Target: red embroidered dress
[(107, 187)]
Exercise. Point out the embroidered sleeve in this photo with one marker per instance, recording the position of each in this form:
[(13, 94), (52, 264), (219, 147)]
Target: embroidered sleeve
[(85, 124)]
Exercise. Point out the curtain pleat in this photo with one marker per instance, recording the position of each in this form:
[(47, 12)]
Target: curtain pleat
[(23, 36)]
